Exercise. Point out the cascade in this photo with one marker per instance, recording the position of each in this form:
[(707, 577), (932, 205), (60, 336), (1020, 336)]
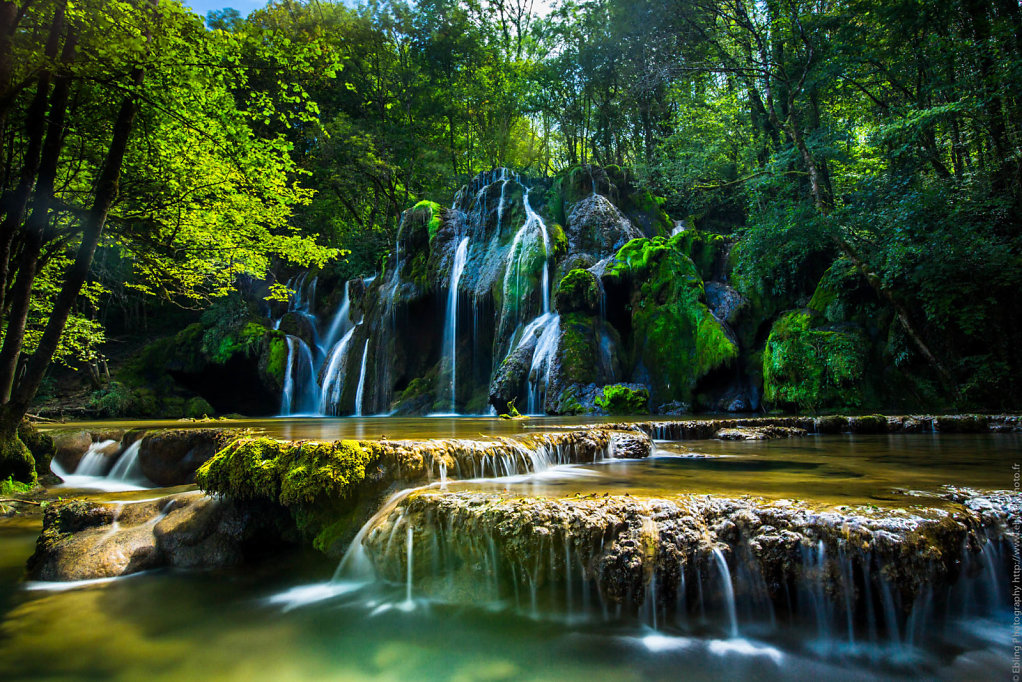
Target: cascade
[(542, 360), (451, 324), (341, 321), (359, 393), (94, 470), (333, 378), (127, 467), (95, 461), (729, 591)]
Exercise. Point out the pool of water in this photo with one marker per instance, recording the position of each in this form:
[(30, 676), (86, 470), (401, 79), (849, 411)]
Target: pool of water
[(232, 624), (895, 470), (369, 428)]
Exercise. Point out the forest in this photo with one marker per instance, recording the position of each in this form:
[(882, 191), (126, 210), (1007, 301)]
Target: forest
[(161, 169), (510, 340)]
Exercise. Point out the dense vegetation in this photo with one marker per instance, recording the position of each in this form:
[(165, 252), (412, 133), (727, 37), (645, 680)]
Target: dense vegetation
[(866, 153)]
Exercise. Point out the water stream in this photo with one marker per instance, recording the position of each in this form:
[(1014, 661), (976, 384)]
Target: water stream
[(438, 618)]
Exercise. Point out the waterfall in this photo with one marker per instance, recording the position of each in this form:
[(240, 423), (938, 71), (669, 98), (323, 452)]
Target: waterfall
[(333, 378), (542, 359), (361, 381), (340, 321), (451, 324), (94, 470), (301, 389), (729, 592), (127, 467), (95, 461), (513, 272)]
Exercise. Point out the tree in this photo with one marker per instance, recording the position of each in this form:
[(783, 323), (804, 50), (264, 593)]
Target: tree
[(165, 156)]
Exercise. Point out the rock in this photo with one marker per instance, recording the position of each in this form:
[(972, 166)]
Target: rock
[(630, 445), (169, 458), (870, 424), (80, 540), (724, 301), (831, 424), (69, 446), (596, 227), (760, 433), (961, 423), (617, 546)]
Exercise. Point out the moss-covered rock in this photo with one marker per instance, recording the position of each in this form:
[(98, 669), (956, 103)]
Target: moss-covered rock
[(812, 368), (622, 399), (578, 291), (675, 338)]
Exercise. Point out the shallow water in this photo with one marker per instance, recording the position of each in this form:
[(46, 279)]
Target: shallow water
[(894, 470), (335, 428), (234, 625)]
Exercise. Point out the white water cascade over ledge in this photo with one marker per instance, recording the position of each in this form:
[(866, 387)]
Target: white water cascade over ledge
[(340, 362)]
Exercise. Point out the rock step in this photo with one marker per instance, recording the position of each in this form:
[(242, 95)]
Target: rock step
[(632, 554), (704, 429)]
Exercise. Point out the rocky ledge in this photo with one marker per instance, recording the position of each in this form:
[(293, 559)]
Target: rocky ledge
[(331, 488), (84, 540), (686, 554), (760, 428)]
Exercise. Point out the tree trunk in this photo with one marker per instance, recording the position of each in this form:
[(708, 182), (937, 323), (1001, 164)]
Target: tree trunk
[(105, 193), (16, 202), (28, 265)]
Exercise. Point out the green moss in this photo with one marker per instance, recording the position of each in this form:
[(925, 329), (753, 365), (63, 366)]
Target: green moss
[(39, 444), (9, 486), (316, 481), (647, 211), (577, 348), (812, 368), (620, 399), (273, 364), (673, 332), (558, 241), (578, 291), (826, 300), (568, 402), (16, 460), (430, 211), (704, 248)]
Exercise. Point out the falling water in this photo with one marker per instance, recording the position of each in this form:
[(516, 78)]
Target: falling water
[(333, 378), (95, 461), (729, 592), (127, 467), (361, 381), (341, 320), (451, 324), (542, 360)]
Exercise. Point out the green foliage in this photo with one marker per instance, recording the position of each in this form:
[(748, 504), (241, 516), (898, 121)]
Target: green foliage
[(230, 328), (9, 486), (812, 368), (117, 400), (620, 399)]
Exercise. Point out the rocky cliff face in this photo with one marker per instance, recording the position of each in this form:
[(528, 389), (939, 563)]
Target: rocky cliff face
[(544, 292)]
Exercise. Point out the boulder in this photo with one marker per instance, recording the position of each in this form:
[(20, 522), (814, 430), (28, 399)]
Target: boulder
[(69, 447), (171, 457), (88, 540), (596, 227), (760, 433)]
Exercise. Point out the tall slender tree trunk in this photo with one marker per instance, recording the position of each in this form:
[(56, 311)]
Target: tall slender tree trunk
[(13, 454), (16, 202), (28, 262)]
